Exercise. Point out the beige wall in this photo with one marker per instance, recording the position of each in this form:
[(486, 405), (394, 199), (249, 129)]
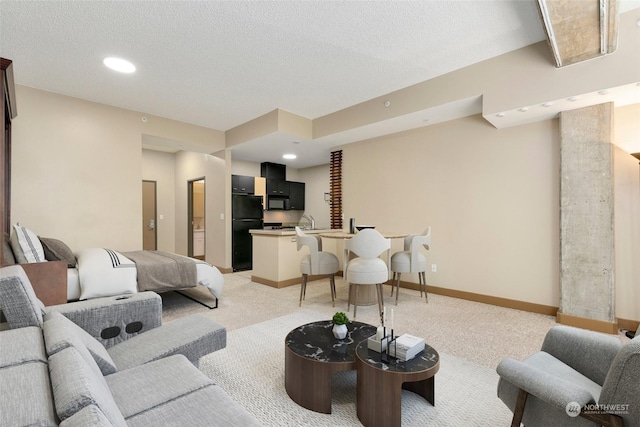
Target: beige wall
[(316, 181), (159, 166), (490, 197), (76, 171), (77, 168), (626, 235), (190, 166)]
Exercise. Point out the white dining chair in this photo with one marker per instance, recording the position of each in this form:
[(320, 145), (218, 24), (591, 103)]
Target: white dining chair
[(367, 268), (316, 263), (411, 260)]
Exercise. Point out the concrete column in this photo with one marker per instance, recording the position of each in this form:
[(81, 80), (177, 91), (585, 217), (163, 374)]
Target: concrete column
[(587, 297)]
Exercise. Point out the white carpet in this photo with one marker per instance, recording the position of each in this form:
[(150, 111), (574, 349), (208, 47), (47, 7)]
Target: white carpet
[(251, 370)]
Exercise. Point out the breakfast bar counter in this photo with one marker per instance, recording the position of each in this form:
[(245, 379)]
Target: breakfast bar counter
[(276, 259)]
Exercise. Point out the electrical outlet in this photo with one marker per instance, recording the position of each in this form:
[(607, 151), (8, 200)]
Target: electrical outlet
[(434, 268)]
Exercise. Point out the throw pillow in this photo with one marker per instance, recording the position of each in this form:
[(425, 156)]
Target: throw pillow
[(18, 301), (26, 245), (57, 250)]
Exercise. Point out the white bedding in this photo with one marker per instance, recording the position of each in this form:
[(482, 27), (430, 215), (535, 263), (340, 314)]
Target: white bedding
[(103, 272)]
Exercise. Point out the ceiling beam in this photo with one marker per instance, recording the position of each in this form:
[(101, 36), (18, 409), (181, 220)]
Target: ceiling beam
[(579, 30)]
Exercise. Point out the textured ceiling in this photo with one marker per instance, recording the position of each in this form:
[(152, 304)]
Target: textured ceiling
[(222, 63)]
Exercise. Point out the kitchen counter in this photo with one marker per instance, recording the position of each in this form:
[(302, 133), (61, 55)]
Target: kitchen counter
[(289, 232), (276, 259)]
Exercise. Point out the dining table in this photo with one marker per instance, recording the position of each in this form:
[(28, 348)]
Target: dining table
[(367, 295)]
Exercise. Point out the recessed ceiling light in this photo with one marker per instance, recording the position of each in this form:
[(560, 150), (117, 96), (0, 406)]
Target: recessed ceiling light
[(572, 98), (289, 156), (523, 109), (603, 92), (425, 120), (119, 64), (500, 115), (547, 104), (296, 142)]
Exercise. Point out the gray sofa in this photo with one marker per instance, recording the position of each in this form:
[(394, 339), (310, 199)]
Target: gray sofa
[(106, 362)]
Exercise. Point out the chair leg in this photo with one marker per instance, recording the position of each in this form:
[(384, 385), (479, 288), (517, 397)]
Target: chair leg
[(303, 289), (355, 302), (332, 285), (349, 298), (397, 287), (518, 411), (380, 297), (393, 281), (424, 283)]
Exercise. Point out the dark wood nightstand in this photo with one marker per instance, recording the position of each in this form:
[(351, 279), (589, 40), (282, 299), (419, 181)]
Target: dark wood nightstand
[(49, 281)]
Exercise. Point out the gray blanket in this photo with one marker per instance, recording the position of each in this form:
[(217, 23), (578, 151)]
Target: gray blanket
[(163, 271)]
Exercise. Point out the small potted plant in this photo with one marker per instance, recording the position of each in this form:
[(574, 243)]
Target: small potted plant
[(340, 321)]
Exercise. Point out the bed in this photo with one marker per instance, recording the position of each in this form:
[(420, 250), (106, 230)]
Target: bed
[(99, 272)]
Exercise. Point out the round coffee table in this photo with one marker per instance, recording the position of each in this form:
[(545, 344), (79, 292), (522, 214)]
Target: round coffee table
[(380, 384), (312, 354)]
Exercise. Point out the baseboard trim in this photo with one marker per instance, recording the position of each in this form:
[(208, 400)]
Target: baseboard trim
[(485, 299), (586, 323), (629, 325), (289, 282), (224, 270)]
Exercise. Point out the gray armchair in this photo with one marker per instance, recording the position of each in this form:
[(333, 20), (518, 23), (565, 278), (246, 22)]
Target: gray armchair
[(579, 378)]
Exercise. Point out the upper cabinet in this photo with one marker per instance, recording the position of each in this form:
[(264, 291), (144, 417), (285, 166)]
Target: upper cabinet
[(273, 171), (277, 187), (296, 196), (242, 184)]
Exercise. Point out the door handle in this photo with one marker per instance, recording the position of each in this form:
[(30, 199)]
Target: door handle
[(151, 225)]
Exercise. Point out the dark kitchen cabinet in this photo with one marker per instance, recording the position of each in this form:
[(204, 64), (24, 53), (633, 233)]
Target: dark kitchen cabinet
[(296, 195), (242, 184), (277, 187), (273, 171)]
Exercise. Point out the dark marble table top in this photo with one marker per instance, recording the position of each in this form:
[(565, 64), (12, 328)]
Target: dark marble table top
[(316, 341), (426, 359)]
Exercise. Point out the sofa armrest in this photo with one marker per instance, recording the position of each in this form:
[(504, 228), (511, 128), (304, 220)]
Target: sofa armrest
[(588, 352), (114, 319), (549, 388)]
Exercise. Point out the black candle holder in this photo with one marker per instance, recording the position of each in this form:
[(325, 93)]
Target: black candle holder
[(389, 340)]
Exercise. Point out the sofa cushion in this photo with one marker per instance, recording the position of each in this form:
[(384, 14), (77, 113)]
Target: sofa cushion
[(18, 301), (88, 416), (143, 387), (198, 410), (77, 384), (60, 333), (24, 345), (192, 336), (26, 395)]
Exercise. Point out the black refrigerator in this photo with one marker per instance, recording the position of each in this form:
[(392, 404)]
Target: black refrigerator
[(246, 212)]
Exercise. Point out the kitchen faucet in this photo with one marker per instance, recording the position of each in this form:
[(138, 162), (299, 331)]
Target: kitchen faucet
[(310, 219)]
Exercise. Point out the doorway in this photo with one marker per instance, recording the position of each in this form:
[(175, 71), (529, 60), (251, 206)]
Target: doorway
[(196, 218), (149, 220)]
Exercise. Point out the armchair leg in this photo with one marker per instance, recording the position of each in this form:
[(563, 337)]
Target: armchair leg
[(518, 411), (393, 280)]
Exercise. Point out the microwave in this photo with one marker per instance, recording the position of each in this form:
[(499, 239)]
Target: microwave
[(278, 203)]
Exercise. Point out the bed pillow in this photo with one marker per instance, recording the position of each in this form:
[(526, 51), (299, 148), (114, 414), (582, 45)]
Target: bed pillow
[(104, 272), (26, 245), (57, 250)]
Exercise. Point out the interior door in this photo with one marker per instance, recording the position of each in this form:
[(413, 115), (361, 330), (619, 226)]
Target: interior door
[(149, 220)]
